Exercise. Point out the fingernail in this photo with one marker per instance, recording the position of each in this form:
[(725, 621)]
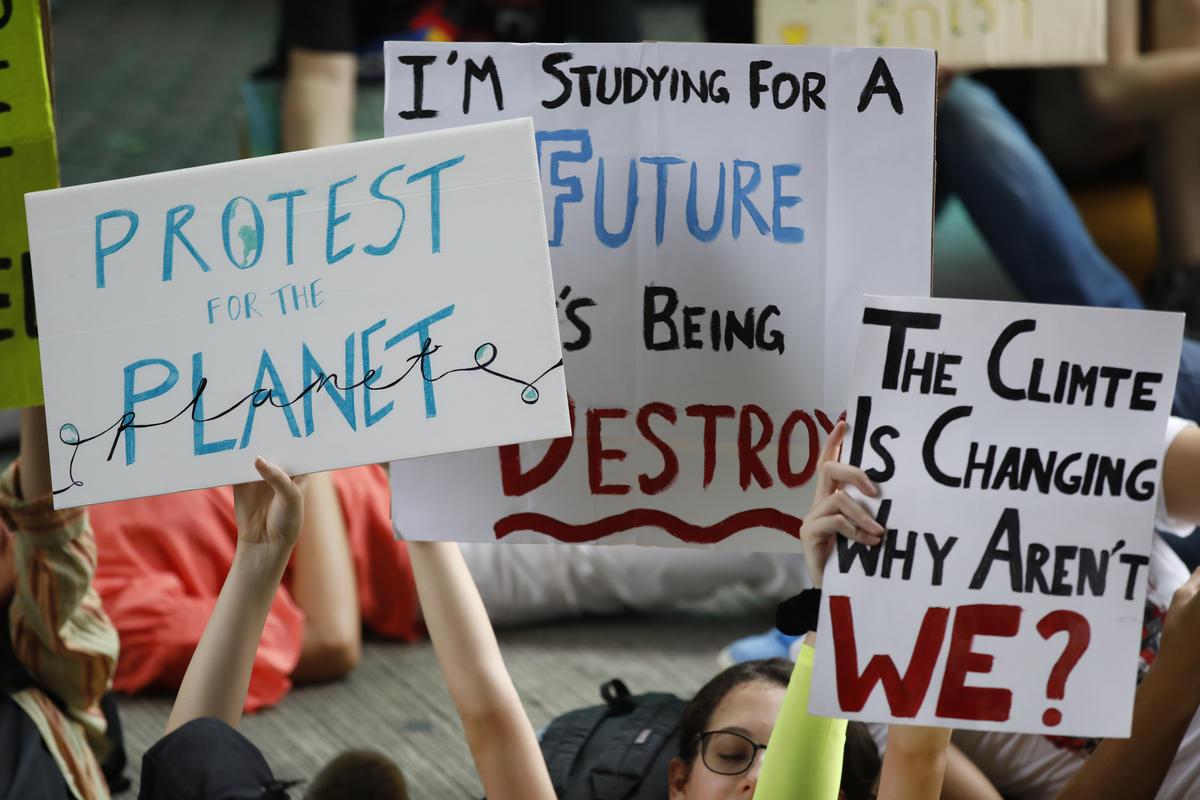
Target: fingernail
[(872, 488)]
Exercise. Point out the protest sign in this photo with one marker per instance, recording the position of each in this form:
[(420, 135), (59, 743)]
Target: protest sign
[(325, 308), (714, 213), (28, 163), (1018, 449), (966, 33)]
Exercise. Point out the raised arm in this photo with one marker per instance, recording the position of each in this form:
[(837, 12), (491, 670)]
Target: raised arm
[(1162, 710), (269, 516), (34, 455), (58, 626), (499, 733), (318, 99), (915, 761)]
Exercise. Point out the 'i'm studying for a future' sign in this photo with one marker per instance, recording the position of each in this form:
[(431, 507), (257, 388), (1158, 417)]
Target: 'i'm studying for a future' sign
[(325, 308), (715, 213), (1018, 449)]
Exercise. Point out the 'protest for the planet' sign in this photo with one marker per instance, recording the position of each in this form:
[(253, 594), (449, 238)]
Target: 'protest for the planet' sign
[(331, 307), (715, 213), (966, 33), (1018, 449)]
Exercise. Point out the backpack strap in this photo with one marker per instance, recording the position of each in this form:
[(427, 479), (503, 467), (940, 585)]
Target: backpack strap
[(616, 695), (644, 732)]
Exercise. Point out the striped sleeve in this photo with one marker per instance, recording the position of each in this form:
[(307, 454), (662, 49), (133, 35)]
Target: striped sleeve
[(59, 630)]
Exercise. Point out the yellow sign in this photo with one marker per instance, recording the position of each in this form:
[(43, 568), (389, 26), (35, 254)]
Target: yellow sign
[(966, 33), (28, 163)]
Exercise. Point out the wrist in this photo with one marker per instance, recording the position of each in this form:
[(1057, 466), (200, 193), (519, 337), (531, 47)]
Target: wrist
[(266, 560), (918, 741), (1178, 670)]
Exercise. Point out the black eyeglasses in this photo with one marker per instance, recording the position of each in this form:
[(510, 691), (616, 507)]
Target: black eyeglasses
[(728, 752)]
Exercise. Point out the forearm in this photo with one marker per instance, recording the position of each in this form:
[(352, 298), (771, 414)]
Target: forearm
[(914, 763), (323, 584), (218, 675), (1149, 88), (460, 630), (318, 99), (34, 474), (1162, 711), (501, 739), (1136, 86), (964, 780)]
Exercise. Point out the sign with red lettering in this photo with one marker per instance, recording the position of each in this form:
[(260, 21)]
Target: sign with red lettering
[(714, 214), (1018, 449)]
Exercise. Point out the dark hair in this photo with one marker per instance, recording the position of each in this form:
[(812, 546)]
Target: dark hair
[(860, 762), (359, 775), (696, 714)]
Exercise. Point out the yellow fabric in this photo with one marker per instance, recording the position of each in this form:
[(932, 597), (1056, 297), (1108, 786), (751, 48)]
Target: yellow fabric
[(28, 163), (804, 755)]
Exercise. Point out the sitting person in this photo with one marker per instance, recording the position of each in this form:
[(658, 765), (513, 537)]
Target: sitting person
[(1152, 82), (58, 648), (162, 561)]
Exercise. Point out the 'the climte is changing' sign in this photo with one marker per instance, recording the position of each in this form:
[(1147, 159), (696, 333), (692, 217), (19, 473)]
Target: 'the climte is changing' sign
[(1018, 448)]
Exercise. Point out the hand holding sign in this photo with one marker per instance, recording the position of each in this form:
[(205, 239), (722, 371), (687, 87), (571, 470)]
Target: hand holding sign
[(834, 511), (269, 512)]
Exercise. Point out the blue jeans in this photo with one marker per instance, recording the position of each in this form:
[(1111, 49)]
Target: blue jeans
[(1021, 208)]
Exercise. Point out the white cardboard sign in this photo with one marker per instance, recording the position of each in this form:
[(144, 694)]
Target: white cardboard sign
[(326, 308), (715, 213), (966, 33), (1018, 449)]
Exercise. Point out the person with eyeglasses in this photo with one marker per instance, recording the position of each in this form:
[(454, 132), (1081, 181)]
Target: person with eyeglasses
[(724, 731), (747, 732)]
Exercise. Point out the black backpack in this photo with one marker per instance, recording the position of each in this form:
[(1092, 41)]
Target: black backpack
[(617, 751)]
